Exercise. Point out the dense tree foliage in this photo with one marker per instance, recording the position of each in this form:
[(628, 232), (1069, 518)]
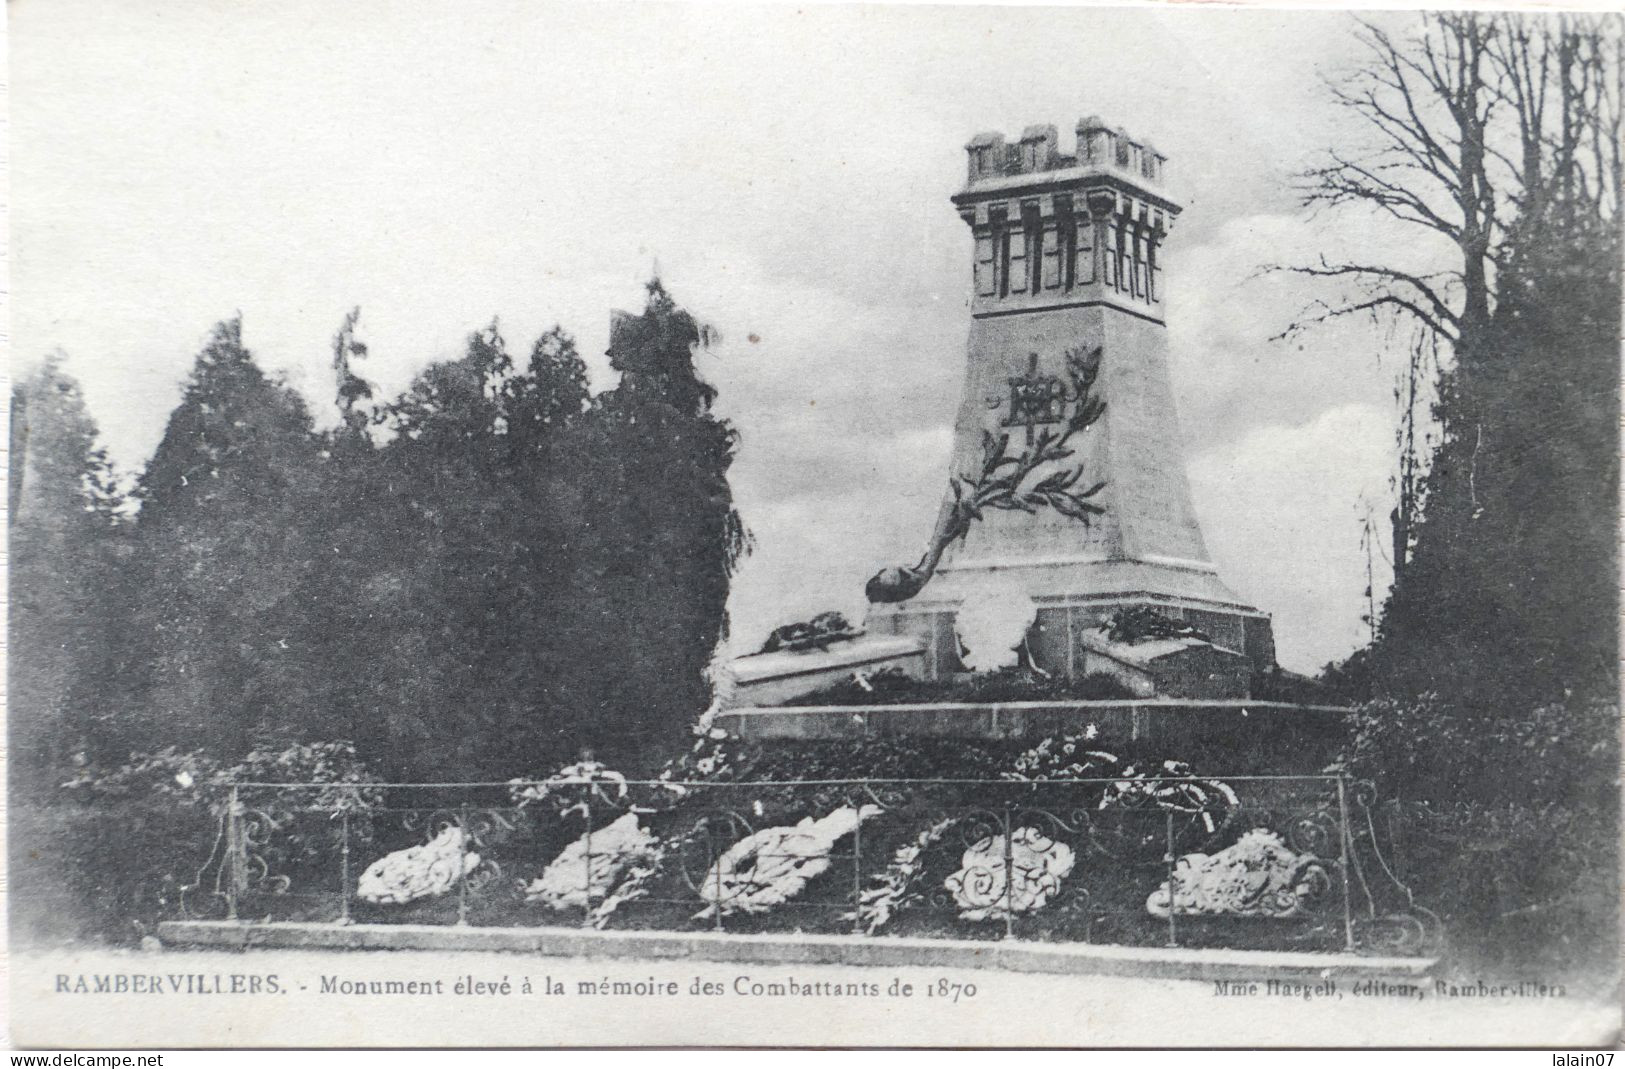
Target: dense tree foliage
[(222, 546), (477, 579), (1510, 597), (1490, 691), (1498, 138), (65, 537), (655, 573)]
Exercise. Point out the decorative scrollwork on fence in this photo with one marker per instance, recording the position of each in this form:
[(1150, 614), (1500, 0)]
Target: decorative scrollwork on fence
[(710, 836), (888, 796), (1070, 822), (487, 875), (258, 828), (1314, 833), (205, 898), (487, 828), (1416, 931), (430, 824), (1389, 920), (240, 862)]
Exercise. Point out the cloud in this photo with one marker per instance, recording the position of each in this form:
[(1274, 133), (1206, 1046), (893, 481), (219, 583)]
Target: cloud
[(538, 160), (1282, 509), (1229, 374)]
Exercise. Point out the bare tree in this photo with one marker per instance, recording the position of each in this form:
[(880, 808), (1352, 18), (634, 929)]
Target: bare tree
[(1487, 134), (1476, 124), (1562, 84), (1426, 107)]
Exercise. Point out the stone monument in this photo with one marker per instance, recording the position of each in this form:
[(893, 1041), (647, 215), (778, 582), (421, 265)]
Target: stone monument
[(1067, 480)]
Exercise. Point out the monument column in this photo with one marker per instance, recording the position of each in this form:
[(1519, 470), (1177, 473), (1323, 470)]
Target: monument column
[(1068, 302)]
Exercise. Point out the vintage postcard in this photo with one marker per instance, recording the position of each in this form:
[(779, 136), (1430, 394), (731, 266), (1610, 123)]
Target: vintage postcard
[(542, 524)]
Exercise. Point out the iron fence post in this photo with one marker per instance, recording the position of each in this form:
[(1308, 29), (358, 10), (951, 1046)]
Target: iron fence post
[(1009, 876), (1343, 861), (857, 871), (716, 866), (586, 874), (462, 868), (1173, 895), (1396, 837), (344, 867), (236, 863)]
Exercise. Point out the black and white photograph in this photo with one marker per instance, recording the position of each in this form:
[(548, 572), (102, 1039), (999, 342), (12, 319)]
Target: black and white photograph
[(675, 524)]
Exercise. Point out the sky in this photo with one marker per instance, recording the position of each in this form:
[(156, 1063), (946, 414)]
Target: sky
[(785, 170)]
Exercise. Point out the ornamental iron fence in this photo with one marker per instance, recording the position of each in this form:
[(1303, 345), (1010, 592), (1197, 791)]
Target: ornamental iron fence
[(1266, 862)]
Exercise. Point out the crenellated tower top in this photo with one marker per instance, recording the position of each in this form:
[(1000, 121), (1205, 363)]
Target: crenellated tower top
[(1098, 147), (1055, 229)]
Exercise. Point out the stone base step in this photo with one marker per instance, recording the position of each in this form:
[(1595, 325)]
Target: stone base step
[(779, 949)]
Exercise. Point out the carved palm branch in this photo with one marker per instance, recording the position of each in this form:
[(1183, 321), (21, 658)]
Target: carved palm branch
[(1002, 483)]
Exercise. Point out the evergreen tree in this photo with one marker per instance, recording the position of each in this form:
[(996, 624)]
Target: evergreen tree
[(223, 545), (652, 595), (65, 533), (351, 389), (1510, 598), (550, 524), (471, 515), (548, 400), (512, 573), (328, 656)]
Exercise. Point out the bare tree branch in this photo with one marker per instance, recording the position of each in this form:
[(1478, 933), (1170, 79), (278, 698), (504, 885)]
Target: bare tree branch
[(1379, 302), (1423, 285)]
